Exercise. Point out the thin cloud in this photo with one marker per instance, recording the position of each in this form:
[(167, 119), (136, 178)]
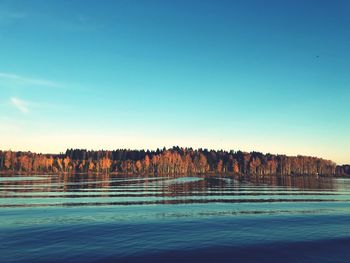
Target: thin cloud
[(26, 106), (21, 105), (7, 16), (75, 23), (29, 81)]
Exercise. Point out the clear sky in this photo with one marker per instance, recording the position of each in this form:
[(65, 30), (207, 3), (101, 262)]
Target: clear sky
[(271, 76)]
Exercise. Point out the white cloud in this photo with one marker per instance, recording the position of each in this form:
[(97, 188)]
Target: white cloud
[(20, 104), (29, 81)]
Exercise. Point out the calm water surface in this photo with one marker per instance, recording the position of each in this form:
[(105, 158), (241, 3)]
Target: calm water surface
[(160, 219)]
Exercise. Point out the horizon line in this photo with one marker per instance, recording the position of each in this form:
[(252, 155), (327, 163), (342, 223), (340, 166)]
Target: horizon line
[(181, 147)]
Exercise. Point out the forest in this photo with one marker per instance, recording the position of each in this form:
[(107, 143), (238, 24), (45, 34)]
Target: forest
[(173, 161)]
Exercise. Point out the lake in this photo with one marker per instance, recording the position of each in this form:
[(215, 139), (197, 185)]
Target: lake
[(90, 218)]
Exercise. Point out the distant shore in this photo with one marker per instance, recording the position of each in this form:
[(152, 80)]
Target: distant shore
[(227, 175), (173, 161)]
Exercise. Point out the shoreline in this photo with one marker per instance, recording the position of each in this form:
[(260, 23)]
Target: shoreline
[(147, 175)]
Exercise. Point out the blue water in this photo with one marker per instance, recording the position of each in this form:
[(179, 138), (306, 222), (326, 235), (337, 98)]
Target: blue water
[(159, 219)]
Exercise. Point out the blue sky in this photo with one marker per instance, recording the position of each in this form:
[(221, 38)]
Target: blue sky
[(271, 76)]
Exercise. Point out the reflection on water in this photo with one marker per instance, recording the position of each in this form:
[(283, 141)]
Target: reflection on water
[(81, 190), (208, 218)]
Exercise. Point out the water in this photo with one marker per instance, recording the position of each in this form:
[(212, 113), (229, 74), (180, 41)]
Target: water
[(160, 219)]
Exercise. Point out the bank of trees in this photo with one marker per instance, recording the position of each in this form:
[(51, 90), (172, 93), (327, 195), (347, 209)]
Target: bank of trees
[(166, 161), (343, 170)]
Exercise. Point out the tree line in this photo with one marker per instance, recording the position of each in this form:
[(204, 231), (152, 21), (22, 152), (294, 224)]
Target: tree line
[(343, 169), (171, 161)]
